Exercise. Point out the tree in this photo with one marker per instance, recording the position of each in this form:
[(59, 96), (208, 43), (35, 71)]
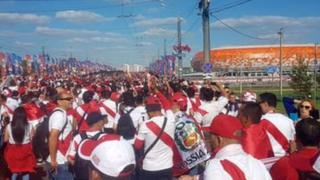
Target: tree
[(301, 80)]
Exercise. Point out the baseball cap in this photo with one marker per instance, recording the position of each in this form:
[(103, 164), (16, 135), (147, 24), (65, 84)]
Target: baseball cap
[(152, 104), (226, 126), (94, 117), (249, 96), (110, 154)]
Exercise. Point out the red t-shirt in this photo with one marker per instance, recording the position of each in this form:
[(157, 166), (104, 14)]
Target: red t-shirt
[(288, 167)]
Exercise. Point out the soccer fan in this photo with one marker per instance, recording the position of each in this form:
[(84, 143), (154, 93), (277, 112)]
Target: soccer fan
[(279, 127), (60, 137), (299, 165), (157, 163), (110, 157), (18, 152), (230, 161), (255, 140), (210, 107)]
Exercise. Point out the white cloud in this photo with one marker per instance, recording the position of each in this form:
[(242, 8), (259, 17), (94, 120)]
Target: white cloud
[(97, 39), (24, 44), (81, 16), (73, 32), (63, 32), (158, 32), (268, 21), (155, 22), (141, 44), (23, 18)]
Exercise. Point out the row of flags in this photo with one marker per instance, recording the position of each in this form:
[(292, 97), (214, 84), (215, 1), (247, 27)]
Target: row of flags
[(13, 64), (166, 65)]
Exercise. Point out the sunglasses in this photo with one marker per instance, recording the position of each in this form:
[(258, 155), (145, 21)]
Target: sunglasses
[(66, 99), (305, 107)]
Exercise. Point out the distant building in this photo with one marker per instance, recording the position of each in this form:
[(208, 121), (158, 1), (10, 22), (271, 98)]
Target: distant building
[(133, 67), (255, 57)]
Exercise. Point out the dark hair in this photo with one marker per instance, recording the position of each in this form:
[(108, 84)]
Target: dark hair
[(190, 92), (128, 99), (15, 94), (87, 96), (175, 86), (52, 94), (253, 111), (269, 98), (206, 94), (139, 99), (19, 124), (308, 132), (106, 94)]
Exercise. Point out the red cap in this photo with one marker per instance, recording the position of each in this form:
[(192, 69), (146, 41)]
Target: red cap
[(226, 126), (152, 100), (181, 100)]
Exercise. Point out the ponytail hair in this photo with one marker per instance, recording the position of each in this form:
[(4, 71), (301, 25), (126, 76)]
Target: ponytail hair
[(19, 124)]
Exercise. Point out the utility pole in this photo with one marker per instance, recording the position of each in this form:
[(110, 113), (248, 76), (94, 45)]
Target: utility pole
[(206, 29), (280, 33), (165, 55), (180, 66), (315, 73)]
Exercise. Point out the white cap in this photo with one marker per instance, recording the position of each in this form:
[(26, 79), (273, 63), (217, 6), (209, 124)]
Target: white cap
[(249, 96), (316, 165), (110, 154)]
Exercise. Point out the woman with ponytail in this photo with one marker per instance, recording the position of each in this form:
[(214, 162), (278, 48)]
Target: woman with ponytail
[(18, 152)]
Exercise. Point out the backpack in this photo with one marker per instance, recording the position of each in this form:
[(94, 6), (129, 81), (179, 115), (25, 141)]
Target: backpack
[(125, 126), (40, 142), (80, 167)]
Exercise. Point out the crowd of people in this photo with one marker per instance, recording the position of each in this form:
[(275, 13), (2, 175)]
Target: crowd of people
[(143, 127)]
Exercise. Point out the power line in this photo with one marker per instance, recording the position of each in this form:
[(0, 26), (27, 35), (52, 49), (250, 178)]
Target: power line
[(237, 31), (88, 8), (229, 6)]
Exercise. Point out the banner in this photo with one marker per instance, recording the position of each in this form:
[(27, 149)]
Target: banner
[(190, 146)]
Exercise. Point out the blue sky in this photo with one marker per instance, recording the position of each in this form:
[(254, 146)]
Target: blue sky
[(133, 31)]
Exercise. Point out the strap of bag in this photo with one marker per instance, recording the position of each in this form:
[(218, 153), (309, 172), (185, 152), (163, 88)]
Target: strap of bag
[(81, 121), (156, 140)]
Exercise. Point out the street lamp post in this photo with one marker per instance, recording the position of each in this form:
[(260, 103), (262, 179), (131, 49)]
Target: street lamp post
[(280, 33), (315, 73)]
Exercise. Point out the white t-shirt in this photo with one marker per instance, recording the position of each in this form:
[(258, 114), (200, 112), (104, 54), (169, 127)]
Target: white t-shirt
[(57, 121), (139, 115), (76, 142), (285, 125), (213, 108), (160, 156), (252, 168), (112, 105), (27, 135)]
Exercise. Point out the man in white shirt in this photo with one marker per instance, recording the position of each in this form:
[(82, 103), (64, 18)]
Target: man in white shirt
[(109, 108), (209, 107), (158, 162), (280, 129), (230, 161), (60, 137)]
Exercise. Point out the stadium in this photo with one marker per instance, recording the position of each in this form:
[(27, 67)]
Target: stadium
[(255, 58)]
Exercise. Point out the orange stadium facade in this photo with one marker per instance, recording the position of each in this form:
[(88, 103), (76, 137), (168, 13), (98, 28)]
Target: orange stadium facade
[(256, 57)]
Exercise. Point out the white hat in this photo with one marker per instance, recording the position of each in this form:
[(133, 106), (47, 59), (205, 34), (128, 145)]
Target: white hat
[(110, 154), (249, 96), (316, 165)]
